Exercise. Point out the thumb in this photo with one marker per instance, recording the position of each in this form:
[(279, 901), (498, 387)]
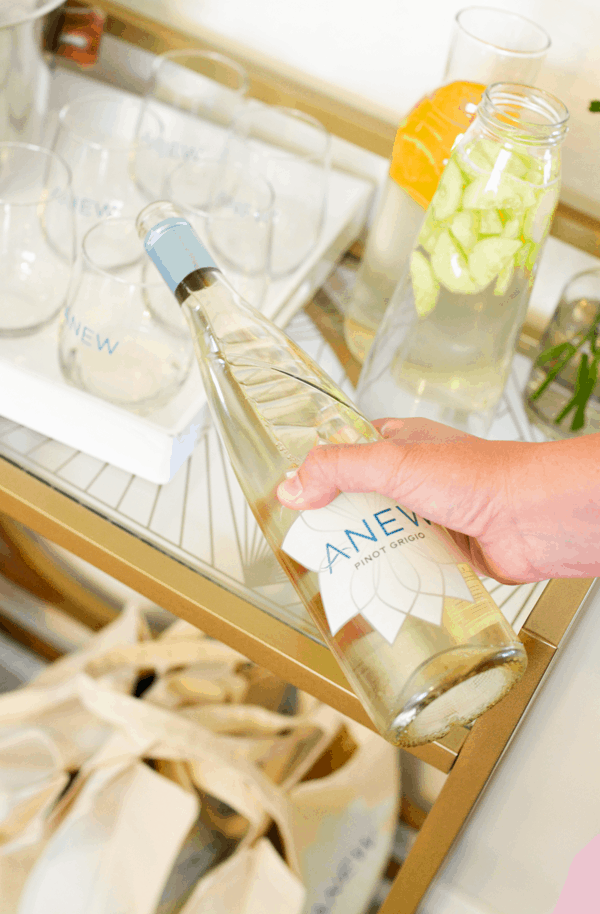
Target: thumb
[(446, 478)]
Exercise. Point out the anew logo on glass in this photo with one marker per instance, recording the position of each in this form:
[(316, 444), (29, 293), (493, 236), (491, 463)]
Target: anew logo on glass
[(375, 559)]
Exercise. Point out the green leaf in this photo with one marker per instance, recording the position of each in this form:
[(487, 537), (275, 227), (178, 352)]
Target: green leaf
[(553, 352), (590, 383), (594, 106), (587, 376), (556, 369)]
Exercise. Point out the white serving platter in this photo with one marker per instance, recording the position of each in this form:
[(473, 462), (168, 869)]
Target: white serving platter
[(34, 394)]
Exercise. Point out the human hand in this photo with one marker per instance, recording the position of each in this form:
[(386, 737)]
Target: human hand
[(511, 507)]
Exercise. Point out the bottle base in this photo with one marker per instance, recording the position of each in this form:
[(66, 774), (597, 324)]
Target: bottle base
[(440, 700)]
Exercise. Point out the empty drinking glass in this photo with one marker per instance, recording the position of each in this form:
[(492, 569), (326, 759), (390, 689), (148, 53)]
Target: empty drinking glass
[(37, 237), (109, 344), (196, 94), (99, 135), (292, 151), (231, 208)]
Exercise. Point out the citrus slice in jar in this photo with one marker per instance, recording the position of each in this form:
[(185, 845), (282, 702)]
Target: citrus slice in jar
[(450, 266), (425, 286)]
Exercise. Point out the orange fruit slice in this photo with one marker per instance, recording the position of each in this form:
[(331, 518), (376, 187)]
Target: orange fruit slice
[(425, 138)]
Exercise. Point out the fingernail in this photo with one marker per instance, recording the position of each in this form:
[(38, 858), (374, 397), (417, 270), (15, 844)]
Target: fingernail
[(389, 426), (291, 488)]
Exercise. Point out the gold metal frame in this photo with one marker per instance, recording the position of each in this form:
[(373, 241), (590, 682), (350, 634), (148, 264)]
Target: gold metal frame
[(468, 757)]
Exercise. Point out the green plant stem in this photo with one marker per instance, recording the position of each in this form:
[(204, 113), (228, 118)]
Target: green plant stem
[(587, 374)]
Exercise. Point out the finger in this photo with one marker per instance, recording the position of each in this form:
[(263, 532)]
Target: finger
[(418, 430)]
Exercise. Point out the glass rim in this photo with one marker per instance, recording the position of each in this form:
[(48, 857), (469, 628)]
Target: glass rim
[(93, 97), (294, 114), (579, 275), (517, 94), (237, 166), (499, 48), (107, 273), (49, 154), (174, 55)]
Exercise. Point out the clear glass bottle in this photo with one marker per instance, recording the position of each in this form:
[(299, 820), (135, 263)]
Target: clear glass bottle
[(488, 46), (444, 348), (419, 638)]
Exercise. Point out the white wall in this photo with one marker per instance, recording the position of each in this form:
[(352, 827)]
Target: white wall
[(390, 52)]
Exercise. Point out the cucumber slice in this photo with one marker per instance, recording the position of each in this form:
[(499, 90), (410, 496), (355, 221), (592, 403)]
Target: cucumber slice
[(425, 286), (489, 256), (485, 192), (512, 227), (464, 227), (449, 191), (490, 222), (504, 277), (518, 165), (537, 220), (429, 234), (450, 266), (482, 154)]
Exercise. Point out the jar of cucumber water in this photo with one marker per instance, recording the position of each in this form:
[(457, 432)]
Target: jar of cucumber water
[(444, 348)]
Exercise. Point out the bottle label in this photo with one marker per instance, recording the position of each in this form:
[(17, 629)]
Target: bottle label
[(377, 560), (176, 250)]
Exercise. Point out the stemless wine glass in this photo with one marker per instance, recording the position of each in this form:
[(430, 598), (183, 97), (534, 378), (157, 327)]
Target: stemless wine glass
[(37, 237), (292, 150), (196, 94), (231, 207), (109, 344), (562, 397), (97, 135)]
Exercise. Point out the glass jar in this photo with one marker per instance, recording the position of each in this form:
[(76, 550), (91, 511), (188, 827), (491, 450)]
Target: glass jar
[(444, 348), (562, 397), (488, 46)]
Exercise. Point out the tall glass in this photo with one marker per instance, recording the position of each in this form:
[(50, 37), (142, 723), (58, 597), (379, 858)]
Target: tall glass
[(487, 46), (292, 151), (444, 348), (37, 237), (196, 94), (97, 135), (231, 208)]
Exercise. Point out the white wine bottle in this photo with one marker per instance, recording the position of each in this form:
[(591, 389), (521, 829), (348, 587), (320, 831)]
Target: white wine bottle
[(417, 635)]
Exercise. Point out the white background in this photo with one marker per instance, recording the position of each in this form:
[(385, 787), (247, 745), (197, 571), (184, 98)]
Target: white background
[(388, 53)]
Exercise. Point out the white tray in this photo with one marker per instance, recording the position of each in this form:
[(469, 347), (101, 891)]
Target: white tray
[(34, 394)]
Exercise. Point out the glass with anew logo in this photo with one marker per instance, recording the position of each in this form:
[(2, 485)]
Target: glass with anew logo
[(99, 135), (196, 95), (109, 344)]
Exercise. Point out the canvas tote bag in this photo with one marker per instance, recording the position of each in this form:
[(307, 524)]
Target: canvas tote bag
[(116, 831)]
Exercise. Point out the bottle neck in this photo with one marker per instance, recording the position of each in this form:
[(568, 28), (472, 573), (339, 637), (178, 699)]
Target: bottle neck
[(172, 244), (523, 115)]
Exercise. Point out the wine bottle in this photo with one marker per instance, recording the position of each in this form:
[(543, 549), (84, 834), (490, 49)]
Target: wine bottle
[(417, 635)]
